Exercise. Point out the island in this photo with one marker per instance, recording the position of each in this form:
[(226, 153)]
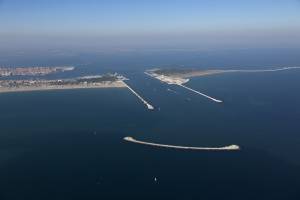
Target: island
[(32, 71), (97, 81)]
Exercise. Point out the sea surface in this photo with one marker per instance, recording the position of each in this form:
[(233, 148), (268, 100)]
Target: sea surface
[(69, 144)]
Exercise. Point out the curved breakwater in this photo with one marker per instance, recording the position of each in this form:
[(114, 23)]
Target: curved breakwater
[(225, 148)]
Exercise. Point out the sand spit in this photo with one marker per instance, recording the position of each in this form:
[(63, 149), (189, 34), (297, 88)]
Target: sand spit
[(196, 73), (226, 148), (261, 70)]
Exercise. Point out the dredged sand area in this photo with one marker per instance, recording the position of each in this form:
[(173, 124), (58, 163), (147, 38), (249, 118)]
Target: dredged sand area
[(225, 148)]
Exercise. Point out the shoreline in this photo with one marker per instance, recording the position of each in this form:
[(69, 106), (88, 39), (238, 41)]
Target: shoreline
[(32, 89), (198, 73)]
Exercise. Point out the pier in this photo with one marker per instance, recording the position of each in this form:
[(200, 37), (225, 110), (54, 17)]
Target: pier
[(226, 148), (149, 106), (179, 81), (209, 97)]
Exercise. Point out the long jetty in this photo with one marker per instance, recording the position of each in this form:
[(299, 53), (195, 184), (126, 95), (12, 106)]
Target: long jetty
[(242, 70), (180, 82), (209, 97), (149, 106), (226, 148)]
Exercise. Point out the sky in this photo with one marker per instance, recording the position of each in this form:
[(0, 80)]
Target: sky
[(149, 23)]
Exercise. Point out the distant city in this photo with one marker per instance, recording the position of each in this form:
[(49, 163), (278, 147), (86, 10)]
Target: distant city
[(32, 84), (32, 71)]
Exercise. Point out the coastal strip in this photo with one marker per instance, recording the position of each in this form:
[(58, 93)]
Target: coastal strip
[(97, 81), (226, 148), (47, 88), (149, 106), (197, 73)]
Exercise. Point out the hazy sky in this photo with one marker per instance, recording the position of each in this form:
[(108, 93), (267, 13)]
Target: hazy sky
[(151, 23)]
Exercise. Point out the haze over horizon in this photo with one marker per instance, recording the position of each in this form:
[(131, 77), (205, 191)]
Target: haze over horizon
[(179, 24)]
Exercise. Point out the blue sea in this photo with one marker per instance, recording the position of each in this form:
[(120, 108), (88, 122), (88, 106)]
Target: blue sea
[(69, 144)]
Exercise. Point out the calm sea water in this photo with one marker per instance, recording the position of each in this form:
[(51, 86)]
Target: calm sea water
[(68, 144)]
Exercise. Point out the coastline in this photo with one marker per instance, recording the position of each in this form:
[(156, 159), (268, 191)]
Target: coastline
[(202, 73), (198, 73), (116, 84)]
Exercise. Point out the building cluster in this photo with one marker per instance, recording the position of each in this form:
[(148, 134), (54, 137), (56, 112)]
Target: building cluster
[(32, 71), (83, 81)]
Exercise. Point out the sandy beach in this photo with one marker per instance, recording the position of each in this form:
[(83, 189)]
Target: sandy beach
[(116, 84)]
